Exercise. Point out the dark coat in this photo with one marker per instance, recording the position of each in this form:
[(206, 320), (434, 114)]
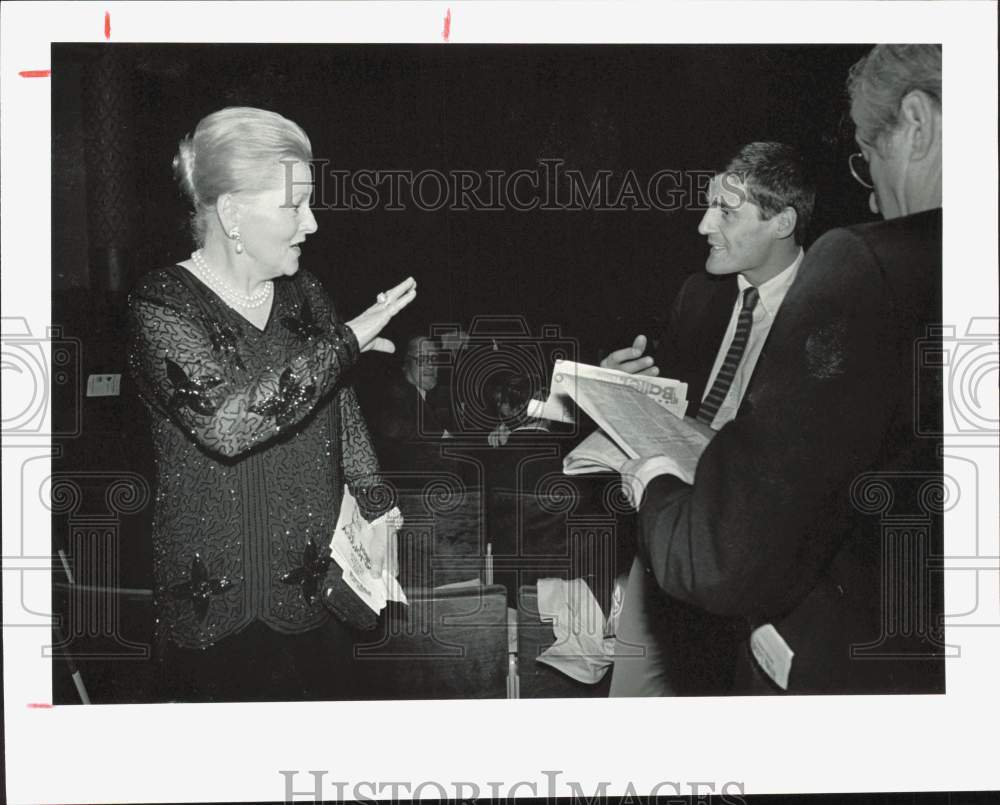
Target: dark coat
[(792, 517), (698, 320)]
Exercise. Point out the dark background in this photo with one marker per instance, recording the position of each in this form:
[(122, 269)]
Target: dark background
[(480, 108), (119, 110)]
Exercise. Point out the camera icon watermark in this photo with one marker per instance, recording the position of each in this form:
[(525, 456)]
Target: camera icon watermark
[(965, 370), (37, 370), (498, 350)]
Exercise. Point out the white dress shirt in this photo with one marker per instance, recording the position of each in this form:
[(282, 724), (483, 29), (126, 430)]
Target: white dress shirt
[(637, 473), (772, 294)]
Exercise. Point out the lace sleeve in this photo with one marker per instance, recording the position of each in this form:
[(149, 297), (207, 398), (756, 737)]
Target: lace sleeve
[(361, 469), (176, 367)]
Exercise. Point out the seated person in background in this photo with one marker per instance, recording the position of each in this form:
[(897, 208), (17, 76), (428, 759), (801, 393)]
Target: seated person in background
[(511, 395), (529, 451), (453, 348), (414, 415), (534, 508)]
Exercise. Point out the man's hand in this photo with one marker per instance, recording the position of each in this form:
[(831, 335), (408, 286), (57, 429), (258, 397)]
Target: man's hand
[(638, 472), (498, 436), (631, 359)]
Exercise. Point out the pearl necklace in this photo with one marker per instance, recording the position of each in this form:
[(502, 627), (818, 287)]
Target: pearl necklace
[(230, 294)]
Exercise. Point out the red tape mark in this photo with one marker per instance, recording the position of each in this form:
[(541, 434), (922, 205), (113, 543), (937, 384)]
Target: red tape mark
[(35, 73), (447, 26), (107, 24), (39, 705)]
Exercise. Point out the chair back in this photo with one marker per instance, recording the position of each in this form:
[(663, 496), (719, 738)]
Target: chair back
[(553, 531), (444, 538), (446, 644)]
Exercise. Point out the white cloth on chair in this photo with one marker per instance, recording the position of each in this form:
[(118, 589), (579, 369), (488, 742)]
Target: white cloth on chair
[(582, 650)]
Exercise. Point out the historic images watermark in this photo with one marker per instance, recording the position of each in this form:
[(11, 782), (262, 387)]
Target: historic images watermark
[(549, 186), (315, 786), (954, 402), (37, 368), (470, 362), (963, 368)]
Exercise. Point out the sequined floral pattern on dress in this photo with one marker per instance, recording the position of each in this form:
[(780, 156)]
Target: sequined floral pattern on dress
[(255, 434), (199, 588), (303, 325), (311, 573)]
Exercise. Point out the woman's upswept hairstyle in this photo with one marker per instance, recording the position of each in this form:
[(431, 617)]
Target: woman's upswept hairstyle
[(235, 149), (878, 83)]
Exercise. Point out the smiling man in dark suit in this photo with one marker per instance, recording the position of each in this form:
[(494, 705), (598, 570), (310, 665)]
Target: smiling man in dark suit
[(758, 213), (783, 525)]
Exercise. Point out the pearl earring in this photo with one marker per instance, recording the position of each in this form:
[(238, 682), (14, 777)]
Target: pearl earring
[(234, 234)]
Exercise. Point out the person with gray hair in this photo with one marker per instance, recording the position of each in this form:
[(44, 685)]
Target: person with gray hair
[(896, 106), (241, 361), (786, 525)]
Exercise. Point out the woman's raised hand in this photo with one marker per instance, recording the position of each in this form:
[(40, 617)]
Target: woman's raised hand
[(369, 324)]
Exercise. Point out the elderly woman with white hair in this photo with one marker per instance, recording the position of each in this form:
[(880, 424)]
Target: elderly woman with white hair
[(240, 358)]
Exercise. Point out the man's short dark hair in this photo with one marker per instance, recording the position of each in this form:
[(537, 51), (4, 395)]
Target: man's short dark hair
[(775, 177)]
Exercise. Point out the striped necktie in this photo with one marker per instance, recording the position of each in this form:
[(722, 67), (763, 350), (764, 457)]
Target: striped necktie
[(724, 379)]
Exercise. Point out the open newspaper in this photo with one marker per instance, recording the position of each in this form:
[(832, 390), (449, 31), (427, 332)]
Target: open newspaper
[(638, 416), (366, 552)]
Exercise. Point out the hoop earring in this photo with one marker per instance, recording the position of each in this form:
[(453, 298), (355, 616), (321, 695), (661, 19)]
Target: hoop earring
[(234, 234)]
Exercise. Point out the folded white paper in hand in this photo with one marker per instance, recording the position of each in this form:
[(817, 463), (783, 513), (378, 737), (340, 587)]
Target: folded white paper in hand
[(557, 408), (582, 650), (367, 553)]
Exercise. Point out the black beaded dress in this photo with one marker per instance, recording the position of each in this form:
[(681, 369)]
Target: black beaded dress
[(255, 434)]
